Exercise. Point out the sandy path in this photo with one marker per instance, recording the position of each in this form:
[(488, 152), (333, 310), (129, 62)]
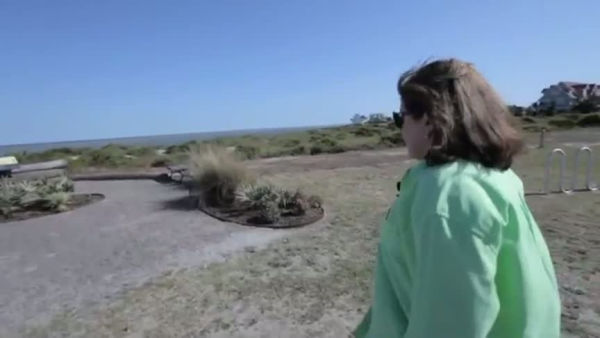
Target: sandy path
[(63, 261)]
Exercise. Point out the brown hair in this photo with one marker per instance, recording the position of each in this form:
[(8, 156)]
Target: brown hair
[(469, 120)]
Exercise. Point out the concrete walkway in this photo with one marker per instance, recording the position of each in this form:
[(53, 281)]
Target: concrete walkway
[(64, 261)]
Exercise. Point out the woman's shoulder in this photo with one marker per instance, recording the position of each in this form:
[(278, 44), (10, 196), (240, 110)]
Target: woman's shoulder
[(460, 174), (463, 187)]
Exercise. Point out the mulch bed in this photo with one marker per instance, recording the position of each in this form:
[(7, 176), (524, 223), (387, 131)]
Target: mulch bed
[(244, 215), (76, 201)]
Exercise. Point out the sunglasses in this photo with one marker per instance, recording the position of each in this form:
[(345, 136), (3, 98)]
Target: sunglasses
[(399, 118)]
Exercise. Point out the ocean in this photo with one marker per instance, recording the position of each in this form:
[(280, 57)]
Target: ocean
[(153, 141)]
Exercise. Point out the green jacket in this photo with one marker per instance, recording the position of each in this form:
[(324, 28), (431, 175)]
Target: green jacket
[(461, 256)]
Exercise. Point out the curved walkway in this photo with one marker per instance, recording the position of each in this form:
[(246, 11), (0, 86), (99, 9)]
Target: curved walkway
[(62, 261)]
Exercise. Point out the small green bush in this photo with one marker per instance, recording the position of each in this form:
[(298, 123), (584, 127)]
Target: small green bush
[(296, 151), (365, 131), (286, 199), (140, 151), (572, 116), (101, 158), (316, 150), (179, 148), (315, 201), (592, 120), (394, 139), (40, 195), (247, 152), (300, 204), (49, 155), (254, 194), (56, 201), (527, 119), (324, 149), (272, 203), (269, 212), (326, 145), (314, 138), (341, 136), (264, 198), (160, 162), (327, 142), (290, 143)]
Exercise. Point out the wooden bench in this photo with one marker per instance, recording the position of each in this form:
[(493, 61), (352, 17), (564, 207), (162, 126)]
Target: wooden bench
[(177, 173)]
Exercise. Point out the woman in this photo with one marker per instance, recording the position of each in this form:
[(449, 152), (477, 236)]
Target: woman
[(460, 255)]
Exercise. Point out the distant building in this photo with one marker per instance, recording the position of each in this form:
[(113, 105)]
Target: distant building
[(564, 95), (358, 119), (378, 118), (372, 118)]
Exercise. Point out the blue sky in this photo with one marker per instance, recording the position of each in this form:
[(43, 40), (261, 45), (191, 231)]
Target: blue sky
[(96, 69)]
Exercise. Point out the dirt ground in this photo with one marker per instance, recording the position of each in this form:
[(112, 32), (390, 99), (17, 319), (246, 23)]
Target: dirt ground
[(317, 282)]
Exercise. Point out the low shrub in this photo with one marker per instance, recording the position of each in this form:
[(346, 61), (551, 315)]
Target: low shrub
[(140, 151), (527, 119), (269, 212), (56, 201), (107, 156), (248, 152), (572, 116), (315, 138), (562, 123), (592, 120), (217, 174), (49, 155), (296, 151), (273, 203), (34, 195), (290, 143), (364, 131), (326, 146), (254, 194), (327, 142), (341, 136), (178, 148), (324, 149), (394, 139), (316, 150), (160, 162), (315, 201)]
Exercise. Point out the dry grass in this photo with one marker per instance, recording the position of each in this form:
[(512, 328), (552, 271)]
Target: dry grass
[(217, 173), (318, 283)]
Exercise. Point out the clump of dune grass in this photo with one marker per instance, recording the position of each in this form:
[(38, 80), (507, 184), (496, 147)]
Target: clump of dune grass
[(216, 174)]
